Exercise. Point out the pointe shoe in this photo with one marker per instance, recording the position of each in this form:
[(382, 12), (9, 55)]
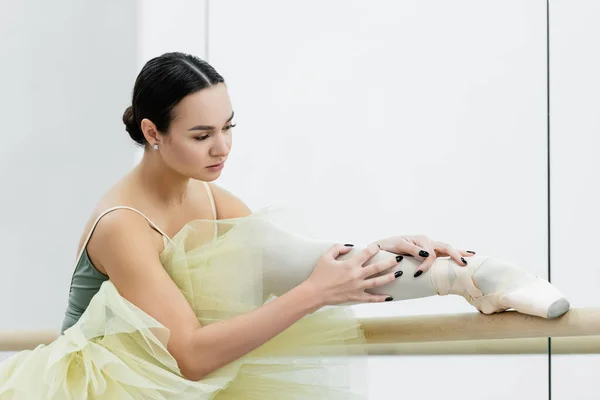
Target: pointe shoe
[(493, 285)]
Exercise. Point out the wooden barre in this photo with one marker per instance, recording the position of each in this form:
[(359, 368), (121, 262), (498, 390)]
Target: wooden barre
[(476, 326), (25, 340), (468, 333)]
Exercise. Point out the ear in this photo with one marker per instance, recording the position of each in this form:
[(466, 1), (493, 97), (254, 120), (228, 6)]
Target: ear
[(150, 132)]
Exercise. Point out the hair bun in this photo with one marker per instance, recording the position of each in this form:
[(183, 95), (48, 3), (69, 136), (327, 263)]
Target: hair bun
[(132, 127)]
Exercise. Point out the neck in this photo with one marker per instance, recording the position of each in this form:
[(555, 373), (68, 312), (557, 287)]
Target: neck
[(161, 182)]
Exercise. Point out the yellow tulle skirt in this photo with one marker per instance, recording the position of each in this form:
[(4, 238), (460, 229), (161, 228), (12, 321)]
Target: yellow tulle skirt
[(116, 351)]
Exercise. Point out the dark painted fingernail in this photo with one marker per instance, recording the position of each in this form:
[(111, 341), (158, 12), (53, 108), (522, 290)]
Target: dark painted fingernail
[(389, 298), (349, 245), (463, 260), (418, 273), (423, 253), (472, 252), (398, 274), (399, 258)]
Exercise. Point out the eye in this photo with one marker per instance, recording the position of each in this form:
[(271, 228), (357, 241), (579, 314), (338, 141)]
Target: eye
[(200, 138), (228, 127)]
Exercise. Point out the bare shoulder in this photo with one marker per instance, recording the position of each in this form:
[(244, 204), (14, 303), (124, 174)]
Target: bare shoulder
[(113, 197), (123, 227), (122, 235), (227, 204), (129, 255), (108, 229)]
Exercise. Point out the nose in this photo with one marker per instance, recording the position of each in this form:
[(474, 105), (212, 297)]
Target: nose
[(221, 146)]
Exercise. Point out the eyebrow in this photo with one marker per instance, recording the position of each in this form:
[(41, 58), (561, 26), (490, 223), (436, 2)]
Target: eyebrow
[(209, 127)]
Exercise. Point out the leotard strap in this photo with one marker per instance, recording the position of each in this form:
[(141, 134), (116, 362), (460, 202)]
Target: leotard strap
[(213, 206), (87, 239)]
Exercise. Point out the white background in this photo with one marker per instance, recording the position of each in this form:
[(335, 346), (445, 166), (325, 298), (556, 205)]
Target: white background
[(67, 71), (372, 118), (575, 169)]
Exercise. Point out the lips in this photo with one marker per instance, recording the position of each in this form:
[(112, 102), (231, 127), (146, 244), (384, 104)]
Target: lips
[(216, 165)]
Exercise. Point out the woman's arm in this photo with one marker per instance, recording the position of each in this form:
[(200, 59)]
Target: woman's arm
[(126, 247), (289, 258)]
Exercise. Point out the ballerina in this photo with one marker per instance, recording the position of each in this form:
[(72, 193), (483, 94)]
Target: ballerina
[(180, 292)]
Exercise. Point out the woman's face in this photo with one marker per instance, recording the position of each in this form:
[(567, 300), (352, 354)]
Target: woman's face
[(199, 138)]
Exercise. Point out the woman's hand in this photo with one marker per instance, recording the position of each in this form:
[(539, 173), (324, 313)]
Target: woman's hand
[(423, 247), (337, 282)]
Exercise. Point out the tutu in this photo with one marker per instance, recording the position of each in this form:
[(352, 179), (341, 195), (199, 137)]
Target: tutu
[(116, 351)]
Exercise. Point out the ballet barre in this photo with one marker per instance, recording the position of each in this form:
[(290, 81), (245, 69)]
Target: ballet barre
[(576, 332), (25, 340), (476, 326)]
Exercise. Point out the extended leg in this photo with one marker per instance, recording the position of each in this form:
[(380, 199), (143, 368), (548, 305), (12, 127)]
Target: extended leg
[(490, 284)]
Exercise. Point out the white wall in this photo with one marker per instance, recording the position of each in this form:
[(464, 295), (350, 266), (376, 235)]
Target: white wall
[(176, 25), (385, 118), (67, 69), (575, 142), (371, 117)]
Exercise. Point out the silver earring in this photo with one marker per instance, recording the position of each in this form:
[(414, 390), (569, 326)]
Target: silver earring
[(155, 146)]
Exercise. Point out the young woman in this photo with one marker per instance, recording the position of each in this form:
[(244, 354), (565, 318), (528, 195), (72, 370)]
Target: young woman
[(179, 291)]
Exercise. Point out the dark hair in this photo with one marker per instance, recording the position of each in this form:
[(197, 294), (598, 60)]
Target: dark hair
[(162, 83)]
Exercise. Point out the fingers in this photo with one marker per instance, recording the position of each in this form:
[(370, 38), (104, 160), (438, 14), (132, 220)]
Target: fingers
[(427, 263), (338, 250), (445, 250), (374, 298), (381, 280), (416, 251), (381, 266), (456, 255), (364, 255)]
